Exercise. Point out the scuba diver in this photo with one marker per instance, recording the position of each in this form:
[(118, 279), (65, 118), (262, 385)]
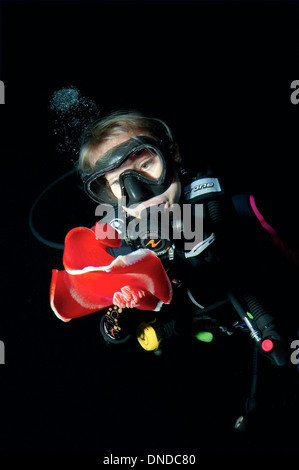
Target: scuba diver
[(171, 249)]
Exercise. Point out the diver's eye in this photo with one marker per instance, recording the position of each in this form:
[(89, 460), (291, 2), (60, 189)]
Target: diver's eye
[(146, 164)]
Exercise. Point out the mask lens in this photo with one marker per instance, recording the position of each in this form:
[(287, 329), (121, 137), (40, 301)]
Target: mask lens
[(100, 190), (144, 165)]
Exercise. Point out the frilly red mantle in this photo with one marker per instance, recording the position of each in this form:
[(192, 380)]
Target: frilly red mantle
[(93, 279)]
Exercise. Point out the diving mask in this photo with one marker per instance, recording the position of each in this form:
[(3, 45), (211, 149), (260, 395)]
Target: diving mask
[(147, 172)]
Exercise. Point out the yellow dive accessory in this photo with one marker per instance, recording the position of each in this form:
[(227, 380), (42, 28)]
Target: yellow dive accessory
[(147, 337)]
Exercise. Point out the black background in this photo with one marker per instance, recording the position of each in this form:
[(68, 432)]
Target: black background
[(219, 73)]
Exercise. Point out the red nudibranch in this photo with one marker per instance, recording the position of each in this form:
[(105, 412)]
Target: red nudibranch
[(92, 279)]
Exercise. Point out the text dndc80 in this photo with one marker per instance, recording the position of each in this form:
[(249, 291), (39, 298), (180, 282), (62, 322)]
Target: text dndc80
[(171, 459)]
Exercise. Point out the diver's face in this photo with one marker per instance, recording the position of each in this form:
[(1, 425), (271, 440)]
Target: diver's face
[(146, 162)]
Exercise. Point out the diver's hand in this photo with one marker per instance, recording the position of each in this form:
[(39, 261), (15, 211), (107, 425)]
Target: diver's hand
[(128, 297)]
